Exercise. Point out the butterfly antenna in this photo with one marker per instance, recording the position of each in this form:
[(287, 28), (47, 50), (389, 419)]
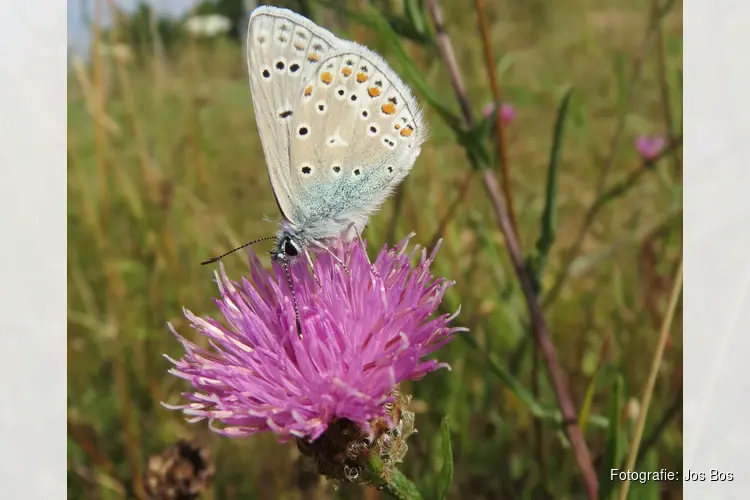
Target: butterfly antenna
[(285, 264), (216, 259)]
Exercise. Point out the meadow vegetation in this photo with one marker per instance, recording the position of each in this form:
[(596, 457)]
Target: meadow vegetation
[(165, 169)]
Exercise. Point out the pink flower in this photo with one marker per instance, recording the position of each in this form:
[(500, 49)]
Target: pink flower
[(649, 147), (363, 333), (507, 111)]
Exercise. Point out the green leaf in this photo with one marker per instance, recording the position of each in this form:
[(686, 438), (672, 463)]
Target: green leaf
[(615, 440), (621, 72), (548, 220), (474, 143), (412, 24), (415, 13), (525, 396), (446, 450), (584, 414)]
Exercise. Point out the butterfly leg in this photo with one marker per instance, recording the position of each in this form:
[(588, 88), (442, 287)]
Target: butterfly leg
[(312, 268), (364, 249), (335, 257)]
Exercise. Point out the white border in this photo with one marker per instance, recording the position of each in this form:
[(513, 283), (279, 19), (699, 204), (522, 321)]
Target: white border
[(33, 263), (33, 279), (716, 298)]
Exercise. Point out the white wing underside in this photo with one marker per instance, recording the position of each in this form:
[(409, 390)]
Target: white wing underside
[(339, 128)]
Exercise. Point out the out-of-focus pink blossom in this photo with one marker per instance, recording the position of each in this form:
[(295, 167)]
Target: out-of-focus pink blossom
[(649, 147), (507, 111)]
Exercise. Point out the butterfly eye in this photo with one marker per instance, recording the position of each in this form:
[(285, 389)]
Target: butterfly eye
[(290, 249)]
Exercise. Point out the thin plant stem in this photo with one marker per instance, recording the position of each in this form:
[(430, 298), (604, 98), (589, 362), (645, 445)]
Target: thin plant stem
[(449, 60), (128, 96), (661, 59), (502, 147), (653, 373), (538, 427), (557, 376), (98, 108), (542, 335), (398, 486)]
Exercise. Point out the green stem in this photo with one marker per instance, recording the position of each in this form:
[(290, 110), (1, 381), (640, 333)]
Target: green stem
[(398, 487)]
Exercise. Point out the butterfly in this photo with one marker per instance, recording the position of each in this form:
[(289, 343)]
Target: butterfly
[(339, 129)]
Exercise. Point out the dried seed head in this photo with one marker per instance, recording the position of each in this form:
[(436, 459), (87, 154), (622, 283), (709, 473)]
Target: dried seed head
[(342, 452), (181, 472)]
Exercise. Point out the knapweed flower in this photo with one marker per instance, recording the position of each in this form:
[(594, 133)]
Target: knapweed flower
[(507, 111), (365, 329), (649, 147)]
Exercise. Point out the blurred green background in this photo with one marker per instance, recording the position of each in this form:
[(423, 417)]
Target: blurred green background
[(165, 169)]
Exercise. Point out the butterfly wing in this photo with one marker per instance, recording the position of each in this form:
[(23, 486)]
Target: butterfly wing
[(357, 135), (283, 51), (339, 134)]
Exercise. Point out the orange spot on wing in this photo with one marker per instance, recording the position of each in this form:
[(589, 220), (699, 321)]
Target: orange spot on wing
[(313, 57), (346, 71), (308, 90), (361, 78), (326, 77), (373, 91), (388, 108), (397, 126), (407, 131)]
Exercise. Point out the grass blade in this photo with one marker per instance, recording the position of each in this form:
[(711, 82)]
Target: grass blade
[(615, 439)]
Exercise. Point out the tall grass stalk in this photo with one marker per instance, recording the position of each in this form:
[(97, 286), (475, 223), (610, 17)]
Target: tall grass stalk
[(648, 390)]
